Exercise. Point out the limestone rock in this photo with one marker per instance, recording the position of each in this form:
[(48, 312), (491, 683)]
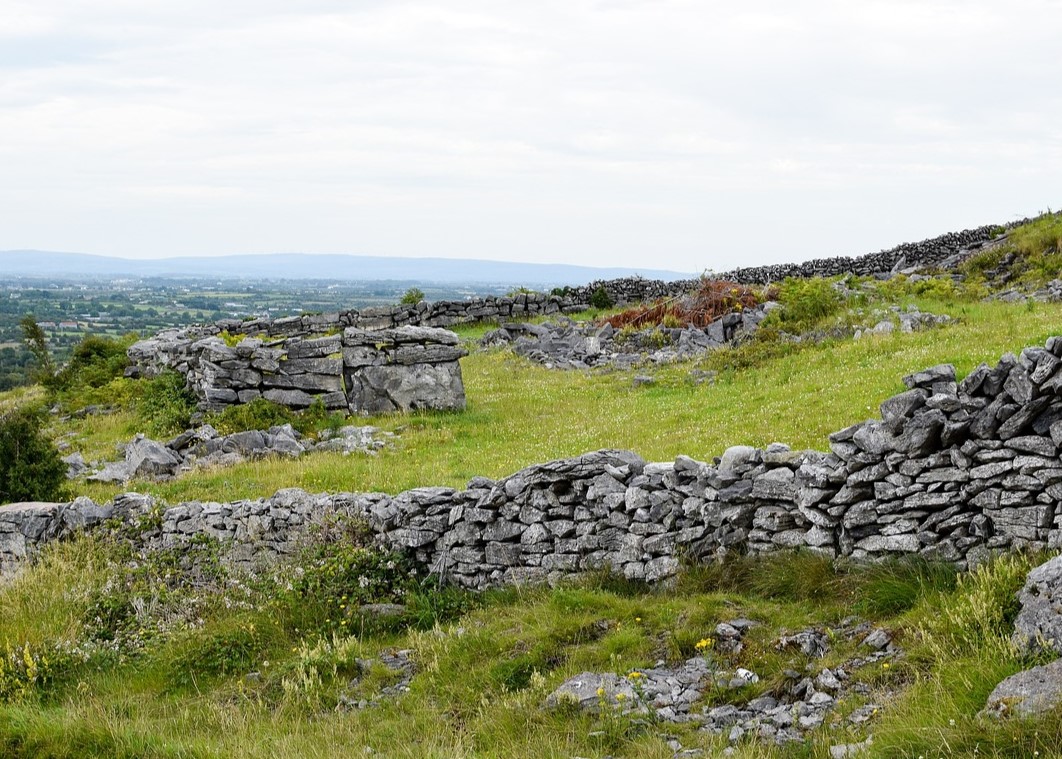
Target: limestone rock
[(1030, 693)]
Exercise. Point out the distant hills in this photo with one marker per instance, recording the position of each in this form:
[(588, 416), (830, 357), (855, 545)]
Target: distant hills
[(40, 263)]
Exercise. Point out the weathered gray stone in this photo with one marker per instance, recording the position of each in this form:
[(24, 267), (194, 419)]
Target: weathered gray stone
[(1039, 621), (1031, 693), (383, 389), (927, 377)]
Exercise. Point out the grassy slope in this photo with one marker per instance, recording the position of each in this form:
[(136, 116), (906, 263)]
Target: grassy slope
[(520, 413), (469, 700)]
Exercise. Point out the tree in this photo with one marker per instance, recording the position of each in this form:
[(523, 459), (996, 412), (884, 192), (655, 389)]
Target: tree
[(413, 296), (601, 299), (37, 342), (30, 466)]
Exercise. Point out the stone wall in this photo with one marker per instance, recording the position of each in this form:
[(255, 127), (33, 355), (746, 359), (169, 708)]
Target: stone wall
[(942, 251), (357, 370), (951, 470), (936, 251)]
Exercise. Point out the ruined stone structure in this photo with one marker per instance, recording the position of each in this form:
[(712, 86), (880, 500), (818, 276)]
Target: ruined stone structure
[(952, 470), (358, 370)]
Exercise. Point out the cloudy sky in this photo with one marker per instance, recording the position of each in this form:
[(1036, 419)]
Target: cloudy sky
[(681, 135)]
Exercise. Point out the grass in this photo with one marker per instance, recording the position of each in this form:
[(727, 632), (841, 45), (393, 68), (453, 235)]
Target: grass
[(520, 413), (1037, 251), (484, 676), (225, 665)]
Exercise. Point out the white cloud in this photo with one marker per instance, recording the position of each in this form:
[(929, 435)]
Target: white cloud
[(598, 132)]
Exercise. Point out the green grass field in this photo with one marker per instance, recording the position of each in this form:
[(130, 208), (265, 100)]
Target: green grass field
[(107, 654)]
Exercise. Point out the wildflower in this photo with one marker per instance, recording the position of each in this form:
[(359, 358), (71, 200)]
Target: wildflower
[(885, 665), (704, 643), (637, 619), (634, 675), (621, 696), (600, 691)]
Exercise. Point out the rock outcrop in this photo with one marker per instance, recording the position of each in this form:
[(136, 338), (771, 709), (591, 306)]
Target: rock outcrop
[(206, 447)]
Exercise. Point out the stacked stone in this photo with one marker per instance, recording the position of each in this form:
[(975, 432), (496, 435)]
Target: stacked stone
[(564, 344), (171, 348), (402, 369), (360, 371), (943, 250), (952, 470)]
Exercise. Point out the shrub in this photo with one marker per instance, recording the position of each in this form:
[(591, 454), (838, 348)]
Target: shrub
[(230, 339), (601, 299), (166, 404), (712, 298), (94, 363), (806, 303), (27, 669), (317, 417), (412, 296), (30, 466), (259, 414)]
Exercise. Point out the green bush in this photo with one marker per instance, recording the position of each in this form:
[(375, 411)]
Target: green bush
[(317, 417), (259, 414), (806, 303), (94, 363), (412, 296), (166, 405), (601, 299), (30, 466)]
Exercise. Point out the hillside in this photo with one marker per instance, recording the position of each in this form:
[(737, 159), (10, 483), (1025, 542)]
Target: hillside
[(334, 268), (115, 650)]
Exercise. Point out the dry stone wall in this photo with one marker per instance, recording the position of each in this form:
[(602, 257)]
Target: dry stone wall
[(357, 370), (168, 346), (951, 470)]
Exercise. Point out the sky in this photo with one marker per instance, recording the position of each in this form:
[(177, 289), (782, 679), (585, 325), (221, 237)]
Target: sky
[(672, 134)]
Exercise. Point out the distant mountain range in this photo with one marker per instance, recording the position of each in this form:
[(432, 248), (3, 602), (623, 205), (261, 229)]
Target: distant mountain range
[(41, 263)]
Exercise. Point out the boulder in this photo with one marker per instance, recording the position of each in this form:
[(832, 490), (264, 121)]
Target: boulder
[(1031, 693), (1039, 622)]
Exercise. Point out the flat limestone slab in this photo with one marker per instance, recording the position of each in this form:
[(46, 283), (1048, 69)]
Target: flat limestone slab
[(40, 508)]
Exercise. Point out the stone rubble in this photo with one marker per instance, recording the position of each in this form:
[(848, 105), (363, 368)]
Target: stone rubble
[(564, 344), (205, 447), (786, 716), (398, 662)]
